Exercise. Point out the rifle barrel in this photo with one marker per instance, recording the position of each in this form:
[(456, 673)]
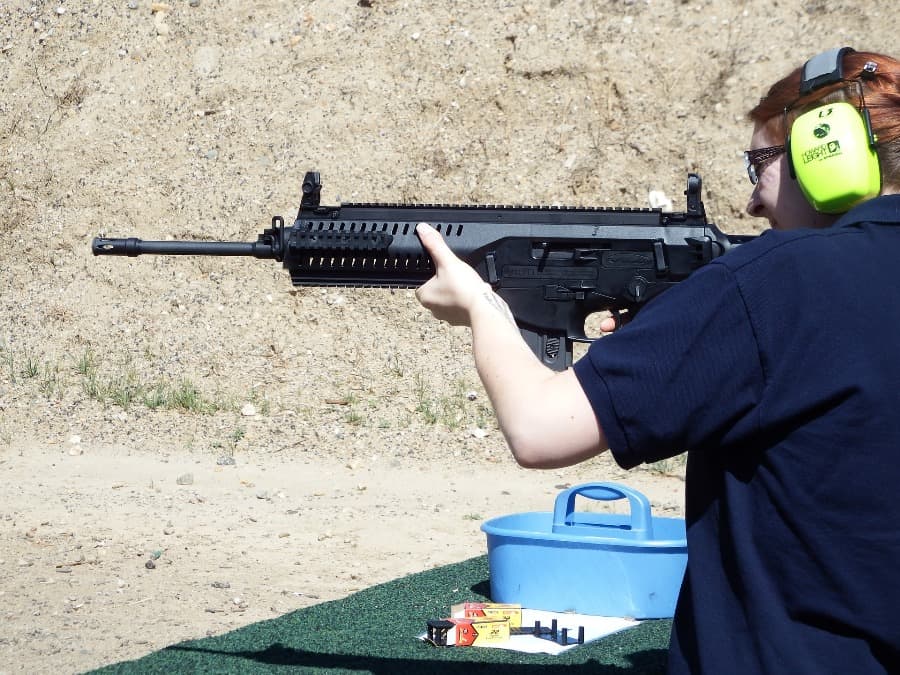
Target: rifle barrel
[(133, 246)]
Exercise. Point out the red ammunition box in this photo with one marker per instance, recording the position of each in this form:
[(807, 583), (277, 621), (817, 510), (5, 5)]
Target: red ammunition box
[(468, 632)]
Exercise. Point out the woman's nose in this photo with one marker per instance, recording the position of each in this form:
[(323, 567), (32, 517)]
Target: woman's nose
[(755, 207)]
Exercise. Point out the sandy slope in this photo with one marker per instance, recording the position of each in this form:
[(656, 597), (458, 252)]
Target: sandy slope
[(347, 412)]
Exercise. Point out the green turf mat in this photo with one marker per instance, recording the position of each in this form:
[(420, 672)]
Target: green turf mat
[(375, 631)]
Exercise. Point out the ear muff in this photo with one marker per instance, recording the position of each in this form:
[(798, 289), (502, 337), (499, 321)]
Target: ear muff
[(831, 148), (832, 156)]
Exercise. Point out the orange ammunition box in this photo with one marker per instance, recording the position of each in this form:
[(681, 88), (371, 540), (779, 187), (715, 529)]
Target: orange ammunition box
[(468, 632)]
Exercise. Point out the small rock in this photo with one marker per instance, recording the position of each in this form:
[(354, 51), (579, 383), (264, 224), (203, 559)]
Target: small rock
[(221, 584), (150, 565), (249, 410)]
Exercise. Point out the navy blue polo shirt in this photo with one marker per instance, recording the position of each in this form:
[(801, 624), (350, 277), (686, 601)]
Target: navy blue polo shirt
[(777, 368)]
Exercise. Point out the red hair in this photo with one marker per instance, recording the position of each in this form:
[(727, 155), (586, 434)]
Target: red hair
[(882, 94)]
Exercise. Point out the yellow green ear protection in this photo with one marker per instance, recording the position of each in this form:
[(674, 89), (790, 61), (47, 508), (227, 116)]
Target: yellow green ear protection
[(831, 148)]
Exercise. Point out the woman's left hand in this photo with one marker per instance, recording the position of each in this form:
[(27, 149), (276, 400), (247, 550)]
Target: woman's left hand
[(455, 287)]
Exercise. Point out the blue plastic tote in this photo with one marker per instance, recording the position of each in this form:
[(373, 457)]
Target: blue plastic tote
[(592, 563)]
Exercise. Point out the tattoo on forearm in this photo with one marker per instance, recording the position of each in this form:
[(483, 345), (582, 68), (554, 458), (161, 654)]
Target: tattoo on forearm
[(497, 303)]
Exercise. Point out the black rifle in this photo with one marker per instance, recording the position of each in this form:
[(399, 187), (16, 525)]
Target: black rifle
[(554, 266)]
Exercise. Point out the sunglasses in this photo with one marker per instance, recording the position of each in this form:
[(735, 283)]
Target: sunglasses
[(850, 91), (754, 160)]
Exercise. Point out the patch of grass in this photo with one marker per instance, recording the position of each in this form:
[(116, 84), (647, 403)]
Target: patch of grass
[(350, 399), (425, 403), (186, 396), (86, 364), (350, 403), (354, 418), (395, 366), (51, 382), (124, 387), (453, 409), (9, 362), (671, 466), (260, 402), (229, 445), (32, 368), (156, 396)]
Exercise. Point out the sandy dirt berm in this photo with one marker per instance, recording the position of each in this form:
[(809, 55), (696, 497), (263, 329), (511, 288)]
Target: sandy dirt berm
[(189, 445)]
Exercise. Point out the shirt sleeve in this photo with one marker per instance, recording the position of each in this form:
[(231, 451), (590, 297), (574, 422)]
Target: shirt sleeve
[(684, 374)]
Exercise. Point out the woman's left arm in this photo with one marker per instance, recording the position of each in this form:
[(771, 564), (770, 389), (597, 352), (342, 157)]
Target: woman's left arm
[(544, 415)]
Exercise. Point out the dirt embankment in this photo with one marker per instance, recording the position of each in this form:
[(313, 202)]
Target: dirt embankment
[(268, 447)]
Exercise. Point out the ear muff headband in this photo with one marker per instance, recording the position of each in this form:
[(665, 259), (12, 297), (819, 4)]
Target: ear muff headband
[(824, 69), (831, 147)]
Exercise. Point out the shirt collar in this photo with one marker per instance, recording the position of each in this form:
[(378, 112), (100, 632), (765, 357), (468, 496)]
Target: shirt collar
[(883, 209)]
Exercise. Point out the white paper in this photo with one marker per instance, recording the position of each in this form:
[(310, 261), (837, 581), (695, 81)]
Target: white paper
[(595, 627)]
